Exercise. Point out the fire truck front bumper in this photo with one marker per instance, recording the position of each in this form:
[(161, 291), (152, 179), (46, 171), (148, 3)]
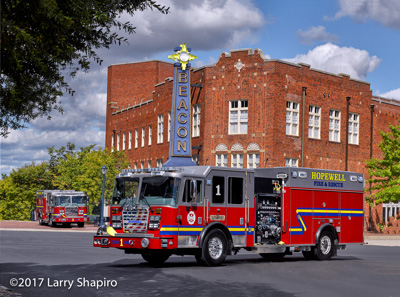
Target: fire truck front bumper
[(107, 237), (130, 241), (71, 220)]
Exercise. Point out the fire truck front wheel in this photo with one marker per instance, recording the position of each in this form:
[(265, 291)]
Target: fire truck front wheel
[(214, 248), (156, 258), (325, 248)]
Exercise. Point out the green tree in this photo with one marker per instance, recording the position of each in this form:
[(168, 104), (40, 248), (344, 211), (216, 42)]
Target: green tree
[(68, 169), (18, 190), (44, 40), (81, 171), (385, 173)]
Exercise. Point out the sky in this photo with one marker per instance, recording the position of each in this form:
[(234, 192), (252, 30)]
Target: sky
[(357, 37)]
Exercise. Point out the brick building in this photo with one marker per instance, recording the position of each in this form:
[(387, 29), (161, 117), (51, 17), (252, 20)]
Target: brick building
[(248, 111)]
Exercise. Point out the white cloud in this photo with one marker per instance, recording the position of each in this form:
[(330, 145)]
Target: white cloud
[(316, 34), (332, 58), (393, 94), (204, 25), (386, 12)]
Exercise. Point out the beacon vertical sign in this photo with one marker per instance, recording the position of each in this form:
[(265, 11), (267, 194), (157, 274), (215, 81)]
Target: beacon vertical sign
[(180, 150)]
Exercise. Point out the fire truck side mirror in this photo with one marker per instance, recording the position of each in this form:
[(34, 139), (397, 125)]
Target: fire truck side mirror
[(193, 190)]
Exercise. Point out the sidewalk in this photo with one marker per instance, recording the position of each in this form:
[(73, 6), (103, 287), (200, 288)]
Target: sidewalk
[(34, 226)]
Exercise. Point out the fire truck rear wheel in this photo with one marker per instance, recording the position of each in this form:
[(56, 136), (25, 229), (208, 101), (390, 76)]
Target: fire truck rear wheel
[(81, 224), (325, 247), (214, 248), (156, 258)]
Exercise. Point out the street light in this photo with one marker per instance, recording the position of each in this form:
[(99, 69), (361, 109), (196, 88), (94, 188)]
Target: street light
[(103, 172)]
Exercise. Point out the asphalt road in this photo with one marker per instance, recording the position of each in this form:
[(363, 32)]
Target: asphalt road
[(65, 264)]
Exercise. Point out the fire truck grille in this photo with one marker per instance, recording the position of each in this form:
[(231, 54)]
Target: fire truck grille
[(71, 211), (135, 221)]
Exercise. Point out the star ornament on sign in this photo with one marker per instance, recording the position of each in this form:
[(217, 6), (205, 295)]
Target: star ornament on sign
[(182, 55)]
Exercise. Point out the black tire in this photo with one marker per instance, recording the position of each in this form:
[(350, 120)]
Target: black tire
[(309, 255), (325, 248), (156, 258), (81, 224), (214, 248), (199, 260), (273, 256)]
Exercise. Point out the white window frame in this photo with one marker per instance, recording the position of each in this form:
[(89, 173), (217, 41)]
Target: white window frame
[(142, 165), (292, 118), (118, 142), (160, 127), (149, 164), (150, 134), (241, 119), (196, 120), (159, 163), (314, 122), (143, 135), (169, 126), (112, 142), (237, 160), (123, 140), (130, 140), (135, 165), (221, 160), (291, 162), (354, 128), (253, 160), (334, 125), (136, 138)]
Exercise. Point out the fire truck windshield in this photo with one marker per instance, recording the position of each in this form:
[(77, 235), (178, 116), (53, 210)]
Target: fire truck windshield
[(125, 188), (70, 200), (159, 190)]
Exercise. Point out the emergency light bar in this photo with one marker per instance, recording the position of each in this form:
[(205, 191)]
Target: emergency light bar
[(153, 170)]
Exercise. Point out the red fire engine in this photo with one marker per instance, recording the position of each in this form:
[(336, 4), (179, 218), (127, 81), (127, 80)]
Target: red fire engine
[(61, 207), (211, 212)]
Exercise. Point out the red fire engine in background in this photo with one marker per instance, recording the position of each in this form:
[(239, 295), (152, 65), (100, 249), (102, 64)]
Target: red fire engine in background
[(211, 212), (61, 207)]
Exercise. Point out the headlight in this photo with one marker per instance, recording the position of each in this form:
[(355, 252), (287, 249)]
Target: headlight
[(145, 242), (154, 222), (61, 211), (81, 211)]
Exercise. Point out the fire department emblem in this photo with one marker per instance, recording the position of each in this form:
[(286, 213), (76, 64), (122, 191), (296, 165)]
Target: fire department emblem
[(191, 217)]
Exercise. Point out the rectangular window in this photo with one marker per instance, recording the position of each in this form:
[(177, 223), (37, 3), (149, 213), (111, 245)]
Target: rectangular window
[(235, 190), (199, 193), (218, 191), (123, 141), (142, 165), (169, 126), (135, 165), (149, 164), (136, 138), (237, 160), (292, 118), (238, 116), (253, 160), (150, 134), (290, 162), (112, 143), (314, 122), (196, 120), (334, 125), (160, 127), (353, 128), (159, 163), (221, 160), (117, 141), (143, 136), (130, 140)]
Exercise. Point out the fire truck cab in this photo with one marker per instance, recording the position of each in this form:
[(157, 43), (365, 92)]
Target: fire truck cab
[(64, 207), (212, 212)]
